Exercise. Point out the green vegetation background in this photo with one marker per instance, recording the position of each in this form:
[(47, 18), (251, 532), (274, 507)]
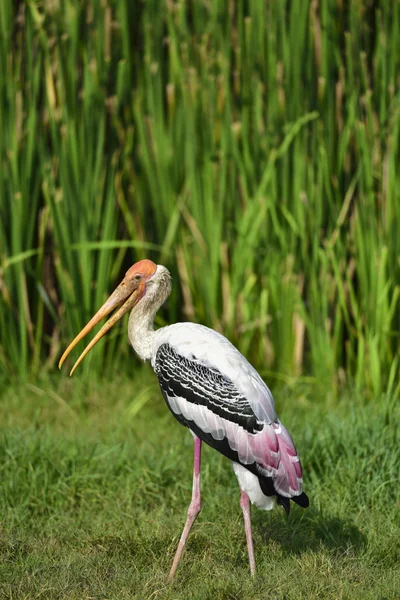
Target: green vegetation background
[(252, 148)]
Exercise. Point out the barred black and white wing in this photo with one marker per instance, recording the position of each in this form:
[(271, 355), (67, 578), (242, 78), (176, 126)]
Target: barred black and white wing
[(211, 388)]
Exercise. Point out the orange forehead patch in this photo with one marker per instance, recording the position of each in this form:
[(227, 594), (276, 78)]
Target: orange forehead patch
[(144, 267)]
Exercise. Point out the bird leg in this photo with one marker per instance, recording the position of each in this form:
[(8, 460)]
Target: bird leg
[(245, 506), (194, 507)]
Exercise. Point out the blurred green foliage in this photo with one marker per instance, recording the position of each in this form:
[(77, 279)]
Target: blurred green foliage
[(251, 147)]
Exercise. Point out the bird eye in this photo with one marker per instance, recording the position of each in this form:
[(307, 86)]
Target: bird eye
[(137, 277)]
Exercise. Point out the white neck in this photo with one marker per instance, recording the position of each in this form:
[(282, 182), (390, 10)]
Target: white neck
[(141, 321), (141, 331)]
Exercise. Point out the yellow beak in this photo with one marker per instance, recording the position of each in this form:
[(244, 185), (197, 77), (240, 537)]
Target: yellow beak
[(126, 296)]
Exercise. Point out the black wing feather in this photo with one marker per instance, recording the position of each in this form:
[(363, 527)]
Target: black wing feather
[(198, 384)]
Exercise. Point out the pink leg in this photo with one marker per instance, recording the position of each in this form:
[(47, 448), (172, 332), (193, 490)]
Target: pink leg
[(194, 507), (245, 506)]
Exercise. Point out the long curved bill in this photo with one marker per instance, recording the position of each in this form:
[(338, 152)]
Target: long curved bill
[(124, 297)]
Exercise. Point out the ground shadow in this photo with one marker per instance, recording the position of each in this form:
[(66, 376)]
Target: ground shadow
[(309, 531)]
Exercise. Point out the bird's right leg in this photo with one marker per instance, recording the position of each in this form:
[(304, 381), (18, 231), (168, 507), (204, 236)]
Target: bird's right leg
[(194, 507), (245, 506)]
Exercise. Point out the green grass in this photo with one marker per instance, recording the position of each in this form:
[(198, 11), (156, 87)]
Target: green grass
[(96, 479)]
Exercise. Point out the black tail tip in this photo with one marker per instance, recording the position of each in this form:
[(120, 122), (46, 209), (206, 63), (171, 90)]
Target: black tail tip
[(285, 502), (302, 500)]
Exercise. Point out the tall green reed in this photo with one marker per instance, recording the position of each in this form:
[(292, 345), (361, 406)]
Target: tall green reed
[(251, 147)]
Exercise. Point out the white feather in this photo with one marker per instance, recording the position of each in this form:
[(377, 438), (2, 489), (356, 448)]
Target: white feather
[(249, 483)]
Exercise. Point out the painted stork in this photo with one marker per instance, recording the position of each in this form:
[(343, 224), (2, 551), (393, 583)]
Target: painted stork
[(211, 388)]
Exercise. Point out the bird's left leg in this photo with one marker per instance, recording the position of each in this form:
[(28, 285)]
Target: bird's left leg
[(194, 507), (245, 506)]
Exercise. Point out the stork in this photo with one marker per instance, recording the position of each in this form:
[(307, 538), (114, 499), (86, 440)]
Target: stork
[(213, 390)]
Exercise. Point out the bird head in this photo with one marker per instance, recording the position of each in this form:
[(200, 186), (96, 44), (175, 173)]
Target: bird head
[(124, 298)]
